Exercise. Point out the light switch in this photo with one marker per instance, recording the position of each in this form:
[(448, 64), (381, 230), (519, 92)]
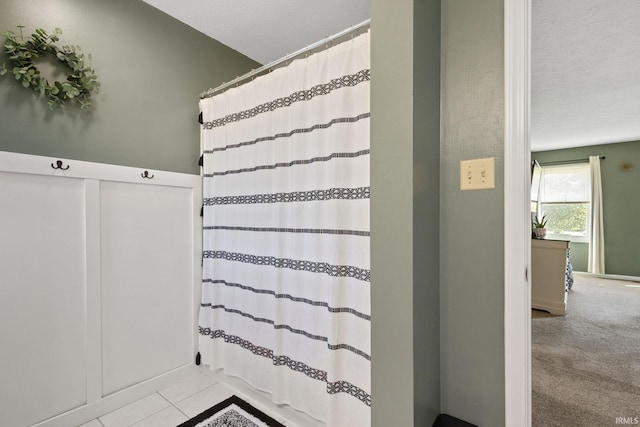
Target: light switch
[(477, 174)]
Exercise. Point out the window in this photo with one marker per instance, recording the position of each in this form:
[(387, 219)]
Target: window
[(563, 193)]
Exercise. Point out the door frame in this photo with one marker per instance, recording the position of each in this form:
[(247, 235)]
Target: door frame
[(517, 230)]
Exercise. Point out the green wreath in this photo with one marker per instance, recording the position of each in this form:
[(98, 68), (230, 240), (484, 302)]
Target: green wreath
[(78, 87)]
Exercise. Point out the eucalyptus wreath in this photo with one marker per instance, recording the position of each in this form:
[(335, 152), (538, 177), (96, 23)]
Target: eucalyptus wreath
[(79, 85)]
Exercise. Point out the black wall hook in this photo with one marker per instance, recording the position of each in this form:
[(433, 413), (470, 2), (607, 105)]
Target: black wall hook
[(59, 165), (145, 174)]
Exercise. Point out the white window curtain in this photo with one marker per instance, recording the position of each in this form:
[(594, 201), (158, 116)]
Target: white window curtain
[(596, 226), (286, 271)]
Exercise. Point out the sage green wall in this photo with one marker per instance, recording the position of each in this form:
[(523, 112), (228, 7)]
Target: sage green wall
[(579, 254), (472, 222), (405, 51), (151, 67), (470, 242), (426, 210), (392, 213), (621, 204)]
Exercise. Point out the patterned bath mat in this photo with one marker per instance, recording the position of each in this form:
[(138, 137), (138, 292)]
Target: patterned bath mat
[(233, 412)]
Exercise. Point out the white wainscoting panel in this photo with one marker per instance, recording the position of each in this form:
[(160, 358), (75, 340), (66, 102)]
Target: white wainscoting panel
[(99, 286), (146, 270), (42, 304)]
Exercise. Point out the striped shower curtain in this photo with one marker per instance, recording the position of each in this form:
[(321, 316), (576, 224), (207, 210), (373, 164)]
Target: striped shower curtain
[(286, 275)]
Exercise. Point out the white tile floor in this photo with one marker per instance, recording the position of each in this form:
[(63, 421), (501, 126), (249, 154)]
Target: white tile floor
[(179, 402)]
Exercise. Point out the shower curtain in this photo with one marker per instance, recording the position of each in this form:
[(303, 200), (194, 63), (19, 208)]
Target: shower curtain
[(286, 273)]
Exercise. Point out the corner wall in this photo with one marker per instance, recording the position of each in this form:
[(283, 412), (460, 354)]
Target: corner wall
[(152, 69), (426, 211), (405, 106), (472, 222)]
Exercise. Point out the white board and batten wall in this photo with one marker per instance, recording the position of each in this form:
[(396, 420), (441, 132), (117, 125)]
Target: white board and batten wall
[(99, 286)]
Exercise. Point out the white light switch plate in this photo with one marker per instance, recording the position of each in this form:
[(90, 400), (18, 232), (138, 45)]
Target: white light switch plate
[(477, 174)]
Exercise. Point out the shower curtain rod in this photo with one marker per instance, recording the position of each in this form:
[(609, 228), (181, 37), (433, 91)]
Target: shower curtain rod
[(209, 93)]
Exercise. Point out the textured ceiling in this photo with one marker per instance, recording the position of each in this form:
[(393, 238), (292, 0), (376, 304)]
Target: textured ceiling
[(585, 78), (585, 73)]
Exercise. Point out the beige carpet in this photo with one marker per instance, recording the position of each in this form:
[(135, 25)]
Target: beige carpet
[(586, 365)]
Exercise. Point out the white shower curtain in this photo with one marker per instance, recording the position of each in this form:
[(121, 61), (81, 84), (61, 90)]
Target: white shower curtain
[(595, 262), (286, 275)]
